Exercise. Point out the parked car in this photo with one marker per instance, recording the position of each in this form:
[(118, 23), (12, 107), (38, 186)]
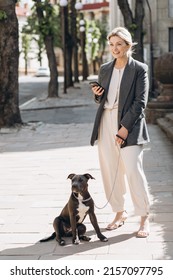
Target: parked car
[(43, 72)]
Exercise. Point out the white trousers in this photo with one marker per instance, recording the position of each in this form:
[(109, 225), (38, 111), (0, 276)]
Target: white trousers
[(121, 168)]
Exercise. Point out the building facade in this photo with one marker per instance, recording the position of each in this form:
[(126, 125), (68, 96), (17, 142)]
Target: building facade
[(158, 22)]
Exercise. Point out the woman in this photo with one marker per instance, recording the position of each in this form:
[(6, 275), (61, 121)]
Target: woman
[(121, 131)]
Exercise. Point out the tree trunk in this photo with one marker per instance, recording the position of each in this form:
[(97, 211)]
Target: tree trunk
[(69, 50), (53, 83), (9, 55), (139, 16), (84, 57), (48, 40), (73, 32), (134, 24), (126, 12)]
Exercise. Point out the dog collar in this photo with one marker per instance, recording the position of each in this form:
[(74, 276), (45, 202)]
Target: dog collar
[(82, 200)]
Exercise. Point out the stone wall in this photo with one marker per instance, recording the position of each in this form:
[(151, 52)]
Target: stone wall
[(164, 22)]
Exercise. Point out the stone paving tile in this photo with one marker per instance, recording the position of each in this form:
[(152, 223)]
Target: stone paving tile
[(162, 257), (29, 249), (36, 220), (162, 217), (22, 257), (121, 244), (9, 239), (161, 236), (124, 257), (92, 248), (164, 208), (23, 228), (66, 258), (168, 250)]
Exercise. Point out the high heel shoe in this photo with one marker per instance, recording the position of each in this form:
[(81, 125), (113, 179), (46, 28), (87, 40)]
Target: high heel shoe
[(118, 222)]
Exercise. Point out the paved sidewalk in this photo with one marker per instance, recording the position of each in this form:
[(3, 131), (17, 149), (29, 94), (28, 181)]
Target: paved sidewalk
[(34, 163)]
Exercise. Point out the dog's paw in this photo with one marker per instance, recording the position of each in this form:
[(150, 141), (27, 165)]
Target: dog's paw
[(76, 241), (85, 238), (103, 239), (61, 242)]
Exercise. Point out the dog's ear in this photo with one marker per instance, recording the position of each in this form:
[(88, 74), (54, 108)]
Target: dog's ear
[(88, 176), (70, 176)]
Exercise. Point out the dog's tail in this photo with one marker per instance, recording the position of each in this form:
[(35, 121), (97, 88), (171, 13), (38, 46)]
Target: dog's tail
[(48, 238)]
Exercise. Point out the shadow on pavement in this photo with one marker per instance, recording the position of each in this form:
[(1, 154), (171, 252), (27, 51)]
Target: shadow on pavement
[(52, 250)]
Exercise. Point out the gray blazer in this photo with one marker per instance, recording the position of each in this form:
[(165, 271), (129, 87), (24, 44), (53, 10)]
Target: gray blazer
[(133, 98)]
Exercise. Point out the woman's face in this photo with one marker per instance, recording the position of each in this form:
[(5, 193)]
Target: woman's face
[(118, 47)]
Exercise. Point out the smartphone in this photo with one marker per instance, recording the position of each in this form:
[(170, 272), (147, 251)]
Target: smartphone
[(94, 83)]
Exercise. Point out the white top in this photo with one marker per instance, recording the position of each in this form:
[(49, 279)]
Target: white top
[(114, 88)]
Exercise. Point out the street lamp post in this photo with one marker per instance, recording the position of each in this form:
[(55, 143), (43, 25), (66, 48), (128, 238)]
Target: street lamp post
[(83, 53), (77, 7), (63, 4), (95, 41)]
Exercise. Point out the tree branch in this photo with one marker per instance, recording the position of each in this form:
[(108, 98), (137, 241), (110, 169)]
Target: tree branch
[(126, 12)]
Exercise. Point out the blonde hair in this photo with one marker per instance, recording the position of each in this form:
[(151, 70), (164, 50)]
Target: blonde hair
[(125, 35)]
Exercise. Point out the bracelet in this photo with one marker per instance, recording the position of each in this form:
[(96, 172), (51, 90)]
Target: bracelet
[(121, 137)]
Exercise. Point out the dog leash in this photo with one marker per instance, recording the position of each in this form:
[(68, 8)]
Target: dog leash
[(113, 184), (89, 198)]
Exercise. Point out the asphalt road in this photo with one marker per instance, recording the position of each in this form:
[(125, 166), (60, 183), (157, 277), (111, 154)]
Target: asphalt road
[(84, 114), (30, 87)]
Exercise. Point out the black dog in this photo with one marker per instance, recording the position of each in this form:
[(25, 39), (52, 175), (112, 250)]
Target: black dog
[(69, 222)]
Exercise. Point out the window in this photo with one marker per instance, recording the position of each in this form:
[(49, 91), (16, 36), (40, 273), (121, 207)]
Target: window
[(170, 8), (170, 39)]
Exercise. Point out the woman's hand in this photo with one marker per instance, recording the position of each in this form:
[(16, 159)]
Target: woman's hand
[(97, 90), (122, 133)]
